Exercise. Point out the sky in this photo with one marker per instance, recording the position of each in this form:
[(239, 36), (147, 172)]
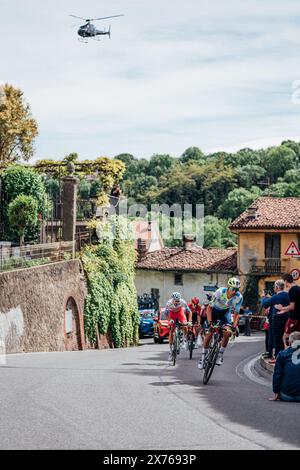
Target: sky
[(208, 73)]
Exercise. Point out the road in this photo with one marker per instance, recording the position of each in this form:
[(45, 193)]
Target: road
[(132, 399)]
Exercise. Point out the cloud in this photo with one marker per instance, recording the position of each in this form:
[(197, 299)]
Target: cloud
[(211, 74)]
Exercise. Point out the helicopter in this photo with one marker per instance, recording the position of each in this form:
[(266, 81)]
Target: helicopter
[(89, 31)]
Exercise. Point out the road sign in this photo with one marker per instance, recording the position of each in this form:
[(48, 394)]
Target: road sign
[(210, 288), (292, 250), (296, 274)]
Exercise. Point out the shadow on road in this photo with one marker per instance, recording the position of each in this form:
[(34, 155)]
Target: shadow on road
[(238, 399)]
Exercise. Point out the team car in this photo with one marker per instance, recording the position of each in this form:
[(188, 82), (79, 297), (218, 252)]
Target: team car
[(147, 322)]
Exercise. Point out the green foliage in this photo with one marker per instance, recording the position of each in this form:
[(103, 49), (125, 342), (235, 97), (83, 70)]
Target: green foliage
[(192, 154), (21, 263), (111, 301), (251, 292), (217, 233), (22, 214), (237, 201), (21, 180), (278, 160), (226, 183)]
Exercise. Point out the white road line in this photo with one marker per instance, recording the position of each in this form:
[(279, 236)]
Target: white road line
[(246, 368)]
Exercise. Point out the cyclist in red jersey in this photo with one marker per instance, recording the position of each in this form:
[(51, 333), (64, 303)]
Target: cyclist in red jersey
[(195, 317), (177, 309)]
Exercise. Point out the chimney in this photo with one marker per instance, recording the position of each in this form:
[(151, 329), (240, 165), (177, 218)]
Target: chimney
[(251, 212), (189, 242), (141, 248)]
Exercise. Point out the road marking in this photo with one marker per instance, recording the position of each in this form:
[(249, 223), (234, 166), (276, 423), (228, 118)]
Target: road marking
[(246, 368)]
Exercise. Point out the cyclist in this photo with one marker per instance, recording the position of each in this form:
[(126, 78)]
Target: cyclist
[(203, 312), (225, 302), (195, 316), (177, 309)]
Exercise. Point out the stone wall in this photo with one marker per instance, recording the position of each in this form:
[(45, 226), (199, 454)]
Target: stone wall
[(33, 308)]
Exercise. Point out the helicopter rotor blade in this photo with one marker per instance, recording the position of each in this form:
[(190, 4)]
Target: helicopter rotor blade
[(106, 17), (79, 17)]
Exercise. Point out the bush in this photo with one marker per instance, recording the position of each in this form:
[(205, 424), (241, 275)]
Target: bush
[(22, 214), (17, 180)]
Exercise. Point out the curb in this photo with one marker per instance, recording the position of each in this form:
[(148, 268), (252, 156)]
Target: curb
[(269, 368)]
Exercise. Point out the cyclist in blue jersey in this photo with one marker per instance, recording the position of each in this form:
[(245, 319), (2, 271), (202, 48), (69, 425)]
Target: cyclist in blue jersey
[(224, 306)]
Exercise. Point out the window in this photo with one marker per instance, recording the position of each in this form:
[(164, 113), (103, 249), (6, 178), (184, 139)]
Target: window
[(272, 246), (69, 317), (178, 279)]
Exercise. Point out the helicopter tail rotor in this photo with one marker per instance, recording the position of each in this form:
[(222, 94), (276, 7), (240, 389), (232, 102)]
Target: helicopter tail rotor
[(108, 32)]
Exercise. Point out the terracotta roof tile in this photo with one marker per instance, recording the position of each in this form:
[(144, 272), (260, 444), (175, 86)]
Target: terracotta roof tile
[(270, 213), (193, 260)]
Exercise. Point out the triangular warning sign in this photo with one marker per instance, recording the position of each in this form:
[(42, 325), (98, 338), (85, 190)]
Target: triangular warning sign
[(292, 250)]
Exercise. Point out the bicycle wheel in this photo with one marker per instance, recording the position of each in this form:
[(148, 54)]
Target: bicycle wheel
[(191, 344), (175, 347), (210, 363)]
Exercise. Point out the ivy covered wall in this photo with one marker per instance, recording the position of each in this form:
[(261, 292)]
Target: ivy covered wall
[(111, 303)]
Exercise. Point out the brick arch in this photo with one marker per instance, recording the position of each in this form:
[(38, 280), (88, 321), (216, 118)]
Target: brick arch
[(74, 339)]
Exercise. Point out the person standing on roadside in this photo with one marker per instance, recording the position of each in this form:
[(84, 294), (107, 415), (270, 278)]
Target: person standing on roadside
[(278, 320), (293, 309)]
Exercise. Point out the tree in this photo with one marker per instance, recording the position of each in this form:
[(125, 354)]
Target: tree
[(72, 157), (250, 175), (278, 160), (159, 165), (18, 129), (237, 201), (192, 154), (217, 233), (22, 214), (16, 180), (126, 158)]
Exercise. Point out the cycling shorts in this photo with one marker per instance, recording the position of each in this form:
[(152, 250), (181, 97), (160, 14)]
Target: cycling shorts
[(223, 315), (180, 316)]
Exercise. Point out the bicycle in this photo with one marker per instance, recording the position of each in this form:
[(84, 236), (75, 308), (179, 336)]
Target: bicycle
[(177, 337), (191, 339), (211, 358)]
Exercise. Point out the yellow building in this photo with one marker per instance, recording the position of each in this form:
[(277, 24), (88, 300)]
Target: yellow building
[(269, 240)]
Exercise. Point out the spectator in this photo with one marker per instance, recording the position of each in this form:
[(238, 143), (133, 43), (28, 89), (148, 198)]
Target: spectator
[(247, 314), (116, 191), (293, 309), (269, 331), (277, 320), (266, 330), (286, 378)]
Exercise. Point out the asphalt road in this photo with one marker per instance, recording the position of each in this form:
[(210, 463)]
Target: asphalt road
[(132, 399)]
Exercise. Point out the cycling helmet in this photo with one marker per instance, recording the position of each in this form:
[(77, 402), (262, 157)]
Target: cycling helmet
[(234, 282), (176, 296), (195, 300)]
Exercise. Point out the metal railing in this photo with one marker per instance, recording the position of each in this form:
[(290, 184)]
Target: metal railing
[(34, 255), (269, 266)]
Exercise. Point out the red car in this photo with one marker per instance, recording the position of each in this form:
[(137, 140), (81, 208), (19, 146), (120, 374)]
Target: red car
[(161, 326)]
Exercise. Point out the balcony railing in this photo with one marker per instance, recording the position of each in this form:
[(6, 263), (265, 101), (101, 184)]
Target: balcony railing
[(269, 266)]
